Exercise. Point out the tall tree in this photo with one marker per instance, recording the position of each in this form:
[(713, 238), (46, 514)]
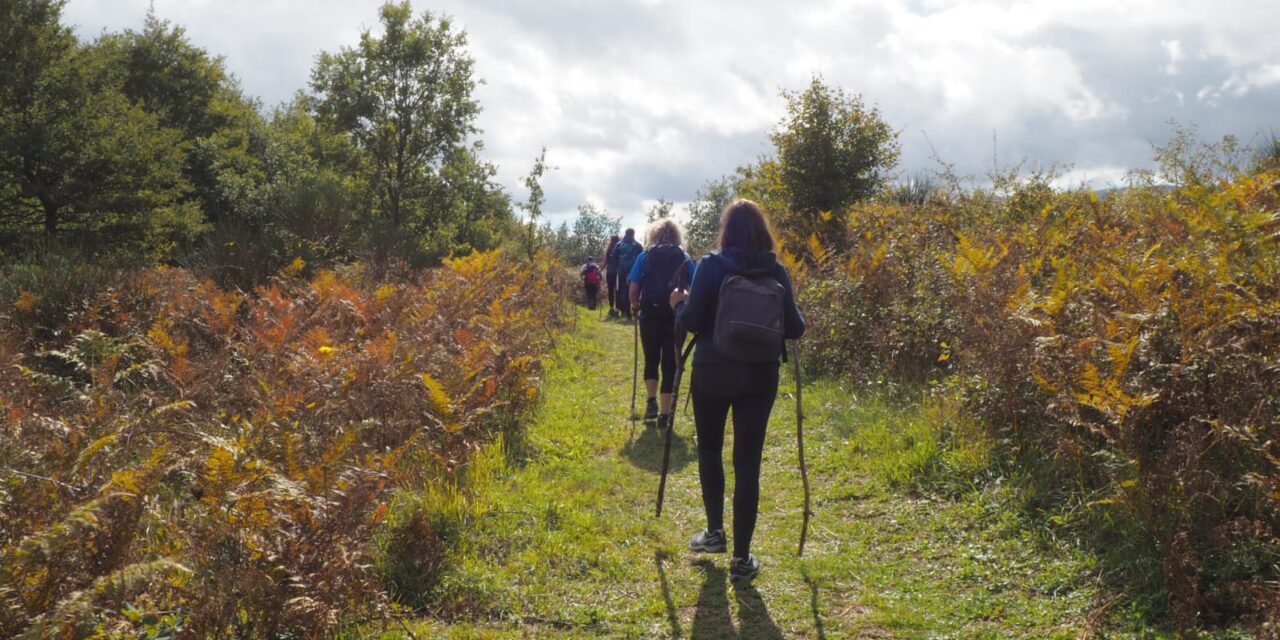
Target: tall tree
[(660, 209), (832, 151), (591, 230), (474, 211), (704, 213), (191, 91), (76, 152), (313, 187), (405, 98), (533, 207)]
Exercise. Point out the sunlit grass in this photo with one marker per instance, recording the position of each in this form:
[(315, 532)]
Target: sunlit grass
[(569, 547)]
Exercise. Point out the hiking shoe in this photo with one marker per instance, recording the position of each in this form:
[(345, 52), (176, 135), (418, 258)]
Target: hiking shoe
[(743, 569), (651, 410), (709, 542)]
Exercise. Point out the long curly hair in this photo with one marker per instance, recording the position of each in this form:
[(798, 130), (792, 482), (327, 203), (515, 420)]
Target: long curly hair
[(665, 231)]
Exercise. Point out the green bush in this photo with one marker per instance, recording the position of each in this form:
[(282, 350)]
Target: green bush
[(1121, 353)]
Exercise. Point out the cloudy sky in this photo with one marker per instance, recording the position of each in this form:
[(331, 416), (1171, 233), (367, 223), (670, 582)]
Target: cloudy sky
[(643, 99)]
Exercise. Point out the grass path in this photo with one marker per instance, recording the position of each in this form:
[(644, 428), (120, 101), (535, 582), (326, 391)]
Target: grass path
[(569, 548)]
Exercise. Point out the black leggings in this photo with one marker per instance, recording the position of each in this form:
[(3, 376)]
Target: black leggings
[(658, 337), (611, 279), (750, 391)]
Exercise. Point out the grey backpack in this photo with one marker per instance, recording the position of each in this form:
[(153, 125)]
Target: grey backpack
[(749, 318)]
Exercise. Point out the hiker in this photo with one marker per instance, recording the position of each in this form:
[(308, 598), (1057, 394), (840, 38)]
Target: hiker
[(741, 379), (653, 277), (625, 253), (591, 281), (611, 274)]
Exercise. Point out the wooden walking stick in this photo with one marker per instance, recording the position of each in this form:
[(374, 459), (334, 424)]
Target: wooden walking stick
[(670, 426), (804, 471)]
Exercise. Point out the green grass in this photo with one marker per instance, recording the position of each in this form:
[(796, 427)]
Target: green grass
[(906, 541)]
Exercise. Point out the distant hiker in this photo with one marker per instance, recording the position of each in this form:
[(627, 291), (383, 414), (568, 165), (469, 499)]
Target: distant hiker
[(655, 274), (611, 273), (591, 281), (740, 323), (626, 253)]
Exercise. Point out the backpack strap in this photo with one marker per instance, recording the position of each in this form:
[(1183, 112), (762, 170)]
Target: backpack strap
[(688, 348), (680, 279)]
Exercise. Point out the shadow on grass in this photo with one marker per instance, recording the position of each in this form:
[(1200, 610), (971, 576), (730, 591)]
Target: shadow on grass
[(754, 621), (813, 602), (713, 619), (645, 451), (659, 558)]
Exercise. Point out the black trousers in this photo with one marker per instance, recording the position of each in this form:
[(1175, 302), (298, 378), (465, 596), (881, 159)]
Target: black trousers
[(658, 339), (593, 292), (623, 295), (611, 280), (749, 390)]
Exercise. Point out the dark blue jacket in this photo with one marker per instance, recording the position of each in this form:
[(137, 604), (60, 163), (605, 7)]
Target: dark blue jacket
[(698, 314), (628, 246)]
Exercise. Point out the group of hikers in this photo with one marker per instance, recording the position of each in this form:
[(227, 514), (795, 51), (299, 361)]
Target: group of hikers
[(737, 304)]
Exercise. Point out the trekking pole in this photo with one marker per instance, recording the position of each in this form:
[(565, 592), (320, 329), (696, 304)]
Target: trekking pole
[(671, 426), (804, 471), (635, 363)]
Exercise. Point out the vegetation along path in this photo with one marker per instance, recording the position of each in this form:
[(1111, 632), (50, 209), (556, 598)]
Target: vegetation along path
[(568, 546)]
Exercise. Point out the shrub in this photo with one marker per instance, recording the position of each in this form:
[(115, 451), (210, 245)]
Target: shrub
[(174, 449), (1122, 352)]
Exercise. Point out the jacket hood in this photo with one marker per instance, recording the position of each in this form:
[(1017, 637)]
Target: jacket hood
[(749, 262)]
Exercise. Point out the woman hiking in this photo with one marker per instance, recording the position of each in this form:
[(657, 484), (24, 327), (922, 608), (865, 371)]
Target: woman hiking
[(655, 274), (610, 262), (728, 375)]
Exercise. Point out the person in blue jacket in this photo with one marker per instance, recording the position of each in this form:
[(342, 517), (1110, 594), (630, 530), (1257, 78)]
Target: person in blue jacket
[(718, 383), (624, 256), (657, 271)]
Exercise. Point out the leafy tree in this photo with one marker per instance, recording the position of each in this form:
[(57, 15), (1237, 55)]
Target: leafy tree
[(1187, 159), (404, 97), (561, 241), (762, 182), (312, 192), (704, 213), (832, 151), (75, 152), (192, 92), (313, 184), (591, 231), (478, 210), (660, 209), (533, 207)]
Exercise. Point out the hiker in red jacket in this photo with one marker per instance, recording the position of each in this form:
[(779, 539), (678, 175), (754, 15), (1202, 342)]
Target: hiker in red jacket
[(591, 281)]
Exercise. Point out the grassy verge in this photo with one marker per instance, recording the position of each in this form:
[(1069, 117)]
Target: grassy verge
[(563, 542)]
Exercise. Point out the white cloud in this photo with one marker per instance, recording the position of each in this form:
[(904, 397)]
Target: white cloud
[(1173, 49), (1260, 77), (641, 99)]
